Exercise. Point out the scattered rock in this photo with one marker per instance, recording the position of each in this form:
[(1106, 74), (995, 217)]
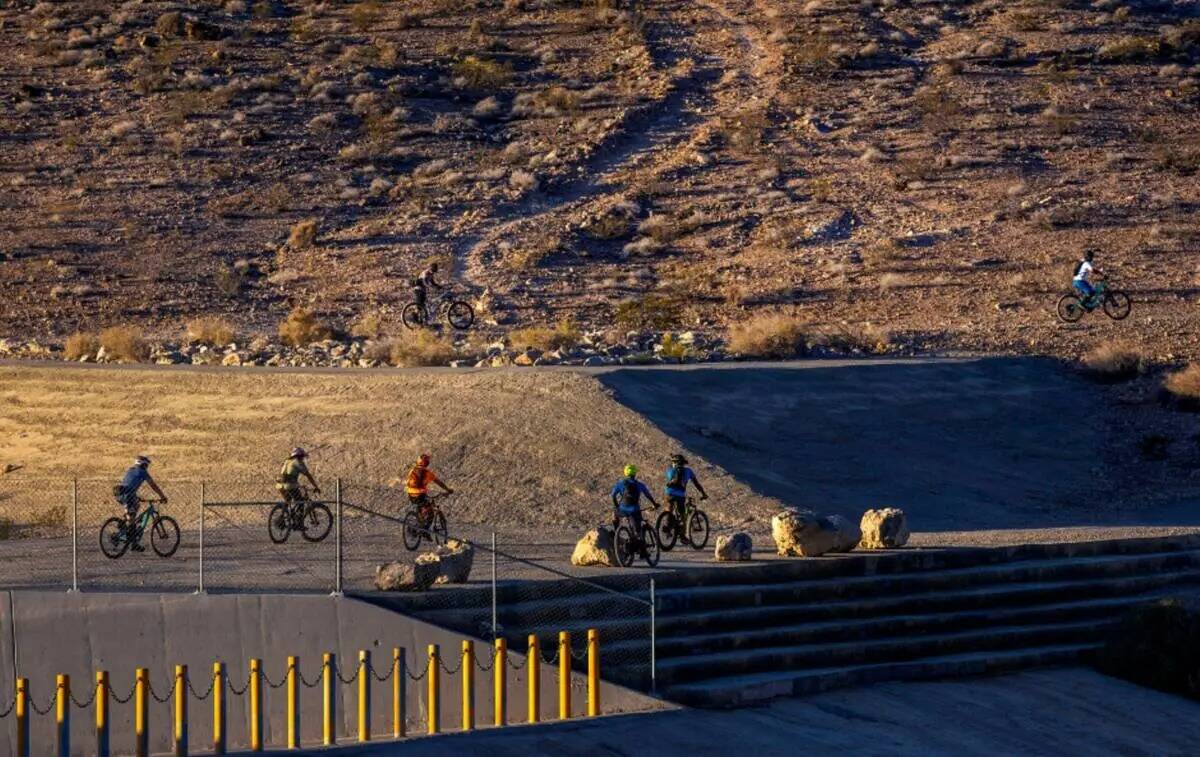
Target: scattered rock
[(399, 576), (802, 533), (734, 548), (595, 548), (884, 529), (452, 561), (848, 533)]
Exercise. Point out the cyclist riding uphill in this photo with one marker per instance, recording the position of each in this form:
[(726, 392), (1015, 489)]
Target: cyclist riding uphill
[(1083, 275), (421, 284), (288, 482), (127, 491), (420, 477), (627, 499), (678, 477)]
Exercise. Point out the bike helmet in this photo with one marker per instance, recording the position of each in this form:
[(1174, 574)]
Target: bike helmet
[(423, 460), (1089, 253), (142, 461), (630, 471), (433, 267), (678, 459), (298, 452)]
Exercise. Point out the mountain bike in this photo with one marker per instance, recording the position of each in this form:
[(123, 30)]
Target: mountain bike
[(312, 519), (627, 544), (458, 313), (693, 530), (116, 537), (433, 529), (1116, 304)]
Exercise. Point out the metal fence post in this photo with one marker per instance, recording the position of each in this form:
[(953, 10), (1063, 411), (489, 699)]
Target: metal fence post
[(74, 534), (202, 508), (495, 635), (337, 560), (653, 641)]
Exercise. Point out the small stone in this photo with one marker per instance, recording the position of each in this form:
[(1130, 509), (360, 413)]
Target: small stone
[(737, 547)]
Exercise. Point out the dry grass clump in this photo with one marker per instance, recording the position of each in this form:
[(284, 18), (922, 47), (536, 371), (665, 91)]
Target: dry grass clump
[(303, 234), (126, 344), (369, 325), (654, 311), (302, 328), (481, 73), (564, 335), (1128, 49), (1184, 386), (81, 345), (854, 338), (770, 335), (210, 330), (421, 347), (1114, 362), (672, 348)]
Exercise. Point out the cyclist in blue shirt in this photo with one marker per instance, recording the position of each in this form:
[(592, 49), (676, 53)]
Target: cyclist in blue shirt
[(127, 491), (627, 499), (678, 477)]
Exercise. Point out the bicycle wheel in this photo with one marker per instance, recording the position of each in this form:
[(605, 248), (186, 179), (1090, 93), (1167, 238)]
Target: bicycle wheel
[(164, 536), (279, 523), (697, 529), (1070, 308), (412, 531), (1117, 305), (413, 316), (438, 530), (650, 541), (112, 538), (668, 532), (317, 522), (460, 315), (623, 546)]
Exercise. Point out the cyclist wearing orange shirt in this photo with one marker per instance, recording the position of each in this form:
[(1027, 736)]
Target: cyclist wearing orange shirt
[(420, 477)]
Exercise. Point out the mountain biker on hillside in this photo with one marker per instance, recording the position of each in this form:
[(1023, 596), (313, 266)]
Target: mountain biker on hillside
[(420, 476), (421, 284), (678, 476), (1082, 279), (627, 500), (126, 492), (288, 482)]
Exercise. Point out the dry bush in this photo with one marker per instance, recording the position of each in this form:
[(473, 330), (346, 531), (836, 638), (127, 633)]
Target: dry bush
[(303, 234), (673, 349), (229, 280), (564, 335), (125, 344), (210, 330), (560, 98), (1184, 386), (81, 345), (1130, 49), (421, 347), (302, 328), (654, 311), (371, 325), (866, 338), (770, 335), (1114, 362), (365, 15), (481, 73)]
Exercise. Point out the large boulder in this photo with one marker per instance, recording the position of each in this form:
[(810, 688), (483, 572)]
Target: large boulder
[(802, 533), (884, 529), (734, 548), (400, 576), (595, 548), (848, 533), (452, 561)]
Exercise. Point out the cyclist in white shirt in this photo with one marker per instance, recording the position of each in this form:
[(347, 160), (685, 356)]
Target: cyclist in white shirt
[(1083, 274)]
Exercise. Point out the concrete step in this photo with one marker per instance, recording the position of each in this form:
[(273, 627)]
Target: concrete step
[(832, 654), (736, 691)]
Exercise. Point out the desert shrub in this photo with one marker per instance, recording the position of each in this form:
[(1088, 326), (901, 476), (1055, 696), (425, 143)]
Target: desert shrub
[(228, 280), (421, 347), (125, 344), (560, 98), (365, 15), (564, 335), (302, 328), (54, 516), (867, 338), (673, 349), (481, 73), (1184, 387), (653, 311), (370, 325), (210, 330), (770, 335), (303, 234), (80, 345), (1155, 645), (1129, 49), (1114, 362)]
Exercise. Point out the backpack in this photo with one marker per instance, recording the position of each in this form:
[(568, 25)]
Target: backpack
[(632, 495), (676, 478), (1078, 265)]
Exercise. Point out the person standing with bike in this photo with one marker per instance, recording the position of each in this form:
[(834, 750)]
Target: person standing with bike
[(288, 482), (126, 493), (678, 477), (421, 284), (627, 500), (417, 484)]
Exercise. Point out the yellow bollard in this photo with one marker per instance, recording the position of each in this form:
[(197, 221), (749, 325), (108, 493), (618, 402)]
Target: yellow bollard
[(398, 714), (564, 675), (293, 703), (62, 714), (533, 668), (593, 672), (468, 685), (328, 699), (181, 712), (141, 712), (101, 713), (256, 722), (21, 705), (435, 714), (218, 695), (500, 682), (364, 695)]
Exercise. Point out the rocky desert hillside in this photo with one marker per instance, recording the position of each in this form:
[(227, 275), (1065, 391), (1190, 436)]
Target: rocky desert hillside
[(908, 175)]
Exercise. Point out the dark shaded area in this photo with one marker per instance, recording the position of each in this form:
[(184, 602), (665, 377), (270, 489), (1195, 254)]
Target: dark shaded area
[(1157, 645)]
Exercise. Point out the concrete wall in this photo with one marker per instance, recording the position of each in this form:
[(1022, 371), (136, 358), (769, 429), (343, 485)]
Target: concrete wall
[(44, 633)]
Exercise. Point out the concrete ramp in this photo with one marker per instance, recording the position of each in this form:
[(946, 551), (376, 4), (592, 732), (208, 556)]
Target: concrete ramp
[(46, 633)]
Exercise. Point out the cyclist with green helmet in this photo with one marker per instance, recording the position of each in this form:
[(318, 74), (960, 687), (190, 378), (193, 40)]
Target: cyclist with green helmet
[(627, 499)]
